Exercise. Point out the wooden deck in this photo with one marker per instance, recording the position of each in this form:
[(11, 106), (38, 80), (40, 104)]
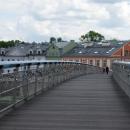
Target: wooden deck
[(91, 102)]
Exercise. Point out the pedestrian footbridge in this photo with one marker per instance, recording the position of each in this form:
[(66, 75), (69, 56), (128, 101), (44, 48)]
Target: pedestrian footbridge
[(64, 96)]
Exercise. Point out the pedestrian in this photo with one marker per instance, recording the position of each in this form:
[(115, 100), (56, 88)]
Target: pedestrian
[(103, 70), (107, 69)]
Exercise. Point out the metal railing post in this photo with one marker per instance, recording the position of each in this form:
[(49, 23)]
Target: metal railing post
[(121, 71), (33, 77)]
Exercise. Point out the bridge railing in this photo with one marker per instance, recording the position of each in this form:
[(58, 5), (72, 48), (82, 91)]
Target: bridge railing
[(121, 74), (20, 81)]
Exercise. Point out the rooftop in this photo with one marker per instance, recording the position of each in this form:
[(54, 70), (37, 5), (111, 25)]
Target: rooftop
[(94, 50)]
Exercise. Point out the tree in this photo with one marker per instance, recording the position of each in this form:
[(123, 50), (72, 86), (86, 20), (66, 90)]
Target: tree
[(59, 39), (92, 36), (52, 40), (17, 41), (82, 37), (114, 41), (5, 44)]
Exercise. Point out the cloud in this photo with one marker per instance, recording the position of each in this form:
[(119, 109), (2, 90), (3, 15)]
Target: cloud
[(32, 20), (107, 1), (119, 16)]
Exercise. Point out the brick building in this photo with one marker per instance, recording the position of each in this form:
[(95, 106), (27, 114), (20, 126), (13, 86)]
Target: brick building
[(101, 55)]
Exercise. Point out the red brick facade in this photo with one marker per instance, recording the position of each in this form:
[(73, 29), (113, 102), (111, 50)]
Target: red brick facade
[(122, 53)]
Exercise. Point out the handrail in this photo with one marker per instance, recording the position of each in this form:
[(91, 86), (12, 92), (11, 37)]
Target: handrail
[(29, 78), (121, 74)]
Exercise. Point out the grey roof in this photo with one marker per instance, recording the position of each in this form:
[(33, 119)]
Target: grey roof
[(23, 49), (61, 44), (20, 50), (97, 50), (39, 46)]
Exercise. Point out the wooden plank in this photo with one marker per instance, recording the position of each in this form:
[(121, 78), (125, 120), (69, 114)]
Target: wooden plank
[(91, 102)]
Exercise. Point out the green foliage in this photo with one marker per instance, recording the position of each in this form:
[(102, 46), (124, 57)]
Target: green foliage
[(92, 36), (59, 39), (6, 44), (114, 41), (52, 39)]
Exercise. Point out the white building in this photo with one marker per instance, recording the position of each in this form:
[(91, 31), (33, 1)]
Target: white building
[(24, 52)]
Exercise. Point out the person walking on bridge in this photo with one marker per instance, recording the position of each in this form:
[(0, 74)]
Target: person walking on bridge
[(103, 70), (107, 69)]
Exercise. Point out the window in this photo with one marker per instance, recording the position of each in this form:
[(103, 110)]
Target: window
[(53, 47), (31, 52), (126, 52), (104, 63), (96, 52), (98, 63), (91, 62), (39, 52), (83, 61), (2, 52), (43, 52)]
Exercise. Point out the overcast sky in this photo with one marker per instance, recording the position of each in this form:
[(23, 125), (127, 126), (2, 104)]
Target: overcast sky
[(38, 20)]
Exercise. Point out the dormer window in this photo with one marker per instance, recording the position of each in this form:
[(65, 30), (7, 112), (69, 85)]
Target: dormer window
[(43, 52), (31, 52), (80, 52), (2, 52), (96, 52), (39, 52)]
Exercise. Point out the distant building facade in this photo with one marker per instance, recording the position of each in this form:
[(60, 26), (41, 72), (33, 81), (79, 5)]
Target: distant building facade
[(57, 49), (101, 55), (35, 51), (23, 52)]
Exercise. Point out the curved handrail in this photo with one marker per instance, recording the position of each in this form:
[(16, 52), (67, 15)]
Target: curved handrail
[(29, 78), (121, 74)]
